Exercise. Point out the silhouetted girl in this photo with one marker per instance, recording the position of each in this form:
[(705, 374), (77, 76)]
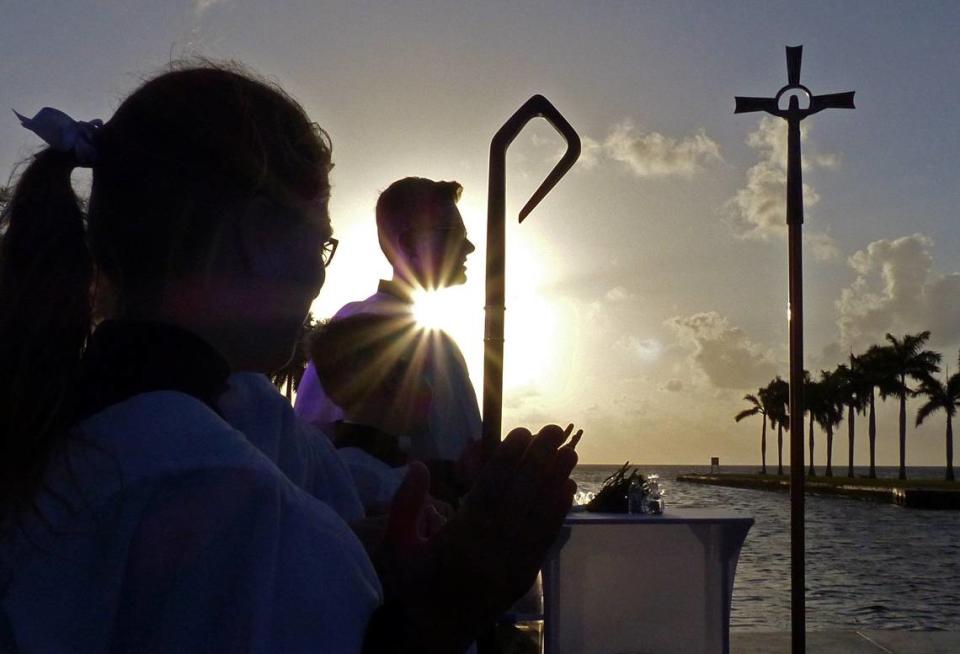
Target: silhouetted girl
[(156, 493)]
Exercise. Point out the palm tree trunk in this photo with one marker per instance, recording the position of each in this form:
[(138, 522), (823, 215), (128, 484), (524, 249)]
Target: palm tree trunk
[(950, 476), (829, 472), (779, 449), (850, 432), (873, 436), (813, 472), (903, 433), (763, 447)]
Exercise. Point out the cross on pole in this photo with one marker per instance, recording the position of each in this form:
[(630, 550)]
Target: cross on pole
[(793, 114)]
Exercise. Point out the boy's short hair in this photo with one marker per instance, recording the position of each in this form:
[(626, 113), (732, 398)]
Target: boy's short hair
[(401, 206)]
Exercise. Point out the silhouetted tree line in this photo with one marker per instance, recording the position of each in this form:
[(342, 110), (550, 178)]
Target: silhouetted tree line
[(287, 378), (900, 368)]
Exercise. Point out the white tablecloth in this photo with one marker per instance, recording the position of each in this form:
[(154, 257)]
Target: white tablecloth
[(620, 583)]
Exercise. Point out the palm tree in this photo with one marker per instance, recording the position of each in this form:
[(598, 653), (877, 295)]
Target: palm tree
[(907, 358), (941, 396), (944, 396), (875, 368), (827, 411), (778, 397), (852, 392), (758, 408), (812, 398), (287, 378)]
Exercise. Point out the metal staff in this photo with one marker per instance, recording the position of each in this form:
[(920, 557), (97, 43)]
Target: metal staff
[(537, 106), (793, 115)]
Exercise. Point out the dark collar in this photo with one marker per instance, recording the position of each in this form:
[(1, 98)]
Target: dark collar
[(371, 440), (125, 358), (399, 290)]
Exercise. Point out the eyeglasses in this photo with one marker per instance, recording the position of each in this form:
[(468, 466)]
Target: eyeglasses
[(327, 250)]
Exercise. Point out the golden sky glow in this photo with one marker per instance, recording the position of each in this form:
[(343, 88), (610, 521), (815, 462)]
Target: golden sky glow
[(647, 293)]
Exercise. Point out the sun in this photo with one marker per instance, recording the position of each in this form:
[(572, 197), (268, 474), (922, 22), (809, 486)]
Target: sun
[(534, 342), (432, 310)]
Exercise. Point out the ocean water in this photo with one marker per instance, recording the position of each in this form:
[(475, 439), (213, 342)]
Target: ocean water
[(869, 565)]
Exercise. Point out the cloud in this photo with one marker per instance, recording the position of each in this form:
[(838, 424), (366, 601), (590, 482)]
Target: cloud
[(647, 154), (200, 7), (590, 153), (519, 396), (647, 349), (652, 154), (618, 294), (674, 386), (897, 291), (820, 245), (723, 352), (757, 211), (828, 357)]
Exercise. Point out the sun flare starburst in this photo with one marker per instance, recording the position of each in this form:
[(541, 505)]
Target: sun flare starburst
[(534, 332), (435, 309)]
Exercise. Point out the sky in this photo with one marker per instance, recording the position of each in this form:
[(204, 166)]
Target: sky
[(647, 293)]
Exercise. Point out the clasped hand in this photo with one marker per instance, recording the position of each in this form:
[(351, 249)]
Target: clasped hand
[(487, 555)]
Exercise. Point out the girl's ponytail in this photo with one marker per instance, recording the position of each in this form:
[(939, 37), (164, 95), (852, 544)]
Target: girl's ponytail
[(45, 315)]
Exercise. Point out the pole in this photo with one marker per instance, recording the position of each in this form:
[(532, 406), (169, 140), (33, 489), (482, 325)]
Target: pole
[(494, 307), (795, 263), (793, 115), (495, 291)]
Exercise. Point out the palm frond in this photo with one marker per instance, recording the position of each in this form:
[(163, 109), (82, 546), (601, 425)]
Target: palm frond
[(925, 362), (929, 407), (953, 387)]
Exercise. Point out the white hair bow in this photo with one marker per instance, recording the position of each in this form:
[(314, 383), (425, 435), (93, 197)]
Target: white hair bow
[(64, 134)]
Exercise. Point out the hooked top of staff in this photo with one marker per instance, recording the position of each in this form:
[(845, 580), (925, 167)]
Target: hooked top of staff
[(817, 102), (532, 108)]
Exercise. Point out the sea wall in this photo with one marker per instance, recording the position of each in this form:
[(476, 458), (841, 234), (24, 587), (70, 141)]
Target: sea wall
[(910, 494)]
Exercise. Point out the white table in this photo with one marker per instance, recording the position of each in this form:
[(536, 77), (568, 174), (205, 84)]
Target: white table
[(626, 583)]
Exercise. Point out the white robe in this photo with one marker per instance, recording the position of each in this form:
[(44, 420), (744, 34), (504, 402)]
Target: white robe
[(182, 537), (304, 453)]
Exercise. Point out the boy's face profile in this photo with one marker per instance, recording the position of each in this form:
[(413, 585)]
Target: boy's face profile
[(439, 247)]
